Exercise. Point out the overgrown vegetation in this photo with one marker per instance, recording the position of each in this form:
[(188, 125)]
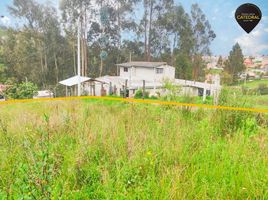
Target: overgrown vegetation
[(88, 150), (24, 90), (139, 94)]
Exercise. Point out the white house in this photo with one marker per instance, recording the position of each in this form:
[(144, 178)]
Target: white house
[(134, 74), (150, 71)]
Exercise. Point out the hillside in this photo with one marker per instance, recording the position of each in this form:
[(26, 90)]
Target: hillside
[(108, 150)]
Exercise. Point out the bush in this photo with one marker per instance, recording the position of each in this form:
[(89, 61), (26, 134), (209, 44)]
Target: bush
[(263, 89), (249, 91), (229, 122), (172, 89), (139, 95), (24, 90)]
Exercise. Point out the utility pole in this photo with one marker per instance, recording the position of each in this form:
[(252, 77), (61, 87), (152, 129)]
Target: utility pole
[(78, 58)]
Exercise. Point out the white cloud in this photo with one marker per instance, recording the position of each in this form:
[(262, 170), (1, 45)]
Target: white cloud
[(255, 42), (5, 20)]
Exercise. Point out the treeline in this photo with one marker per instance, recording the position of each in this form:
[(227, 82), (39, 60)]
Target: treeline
[(43, 48)]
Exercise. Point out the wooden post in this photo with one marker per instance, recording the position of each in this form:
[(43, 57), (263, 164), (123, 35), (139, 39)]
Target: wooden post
[(102, 90), (125, 89), (110, 89), (216, 96), (94, 89), (66, 91), (122, 91), (143, 89), (117, 70), (204, 94), (115, 90), (90, 86)]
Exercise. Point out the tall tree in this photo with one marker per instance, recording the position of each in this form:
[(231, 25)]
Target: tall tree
[(78, 13), (178, 25), (235, 63), (39, 46), (220, 62), (203, 35)]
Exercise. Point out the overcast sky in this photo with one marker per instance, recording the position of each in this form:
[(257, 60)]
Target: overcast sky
[(220, 14)]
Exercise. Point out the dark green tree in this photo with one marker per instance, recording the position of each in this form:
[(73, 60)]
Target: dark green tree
[(203, 36), (220, 62), (235, 63), (183, 65), (24, 90)]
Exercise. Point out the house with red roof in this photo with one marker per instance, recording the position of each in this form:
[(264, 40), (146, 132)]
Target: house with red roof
[(248, 62)]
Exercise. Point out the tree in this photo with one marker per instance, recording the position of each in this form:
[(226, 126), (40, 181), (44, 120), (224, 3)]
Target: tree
[(235, 63), (203, 35), (178, 25), (183, 66), (192, 35), (78, 13), (24, 90), (44, 49), (41, 53), (3, 67), (220, 62), (151, 30)]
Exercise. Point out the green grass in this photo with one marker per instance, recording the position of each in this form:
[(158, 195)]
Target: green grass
[(256, 100), (107, 150), (254, 84), (259, 101)]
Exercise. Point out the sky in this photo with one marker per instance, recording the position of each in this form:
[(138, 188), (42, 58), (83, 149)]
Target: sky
[(220, 14)]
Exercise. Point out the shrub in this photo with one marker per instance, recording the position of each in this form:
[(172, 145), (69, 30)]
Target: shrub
[(263, 89), (139, 95), (228, 122), (24, 90), (249, 91), (172, 89), (153, 97)]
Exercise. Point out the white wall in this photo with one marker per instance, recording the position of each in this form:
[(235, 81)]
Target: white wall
[(145, 73)]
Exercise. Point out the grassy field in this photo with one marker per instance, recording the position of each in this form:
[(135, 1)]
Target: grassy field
[(255, 83), (108, 150), (259, 101), (256, 100)]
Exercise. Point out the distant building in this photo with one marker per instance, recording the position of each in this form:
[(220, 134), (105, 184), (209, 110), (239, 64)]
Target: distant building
[(248, 62), (265, 64), (265, 68)]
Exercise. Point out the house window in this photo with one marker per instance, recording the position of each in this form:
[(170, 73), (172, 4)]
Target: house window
[(125, 69), (159, 70)]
